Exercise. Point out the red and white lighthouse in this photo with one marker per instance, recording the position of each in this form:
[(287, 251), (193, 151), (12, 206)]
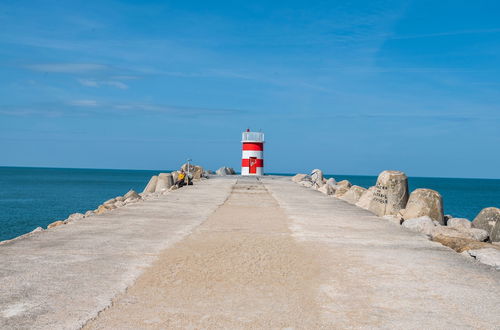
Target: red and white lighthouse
[(252, 160)]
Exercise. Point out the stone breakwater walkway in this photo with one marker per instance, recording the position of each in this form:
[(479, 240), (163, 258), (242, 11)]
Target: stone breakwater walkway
[(236, 252)]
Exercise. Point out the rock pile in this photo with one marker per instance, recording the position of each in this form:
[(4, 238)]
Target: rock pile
[(421, 211)]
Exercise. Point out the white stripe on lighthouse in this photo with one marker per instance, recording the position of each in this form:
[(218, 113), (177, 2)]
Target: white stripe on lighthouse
[(252, 153)]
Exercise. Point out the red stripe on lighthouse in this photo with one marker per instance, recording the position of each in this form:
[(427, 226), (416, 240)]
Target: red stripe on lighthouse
[(258, 162), (253, 146)]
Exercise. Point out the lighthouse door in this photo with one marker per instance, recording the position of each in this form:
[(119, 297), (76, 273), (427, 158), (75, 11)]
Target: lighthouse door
[(253, 165)]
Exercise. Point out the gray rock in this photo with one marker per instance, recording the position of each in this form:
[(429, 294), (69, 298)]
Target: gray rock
[(306, 183), (175, 176), (299, 177), (131, 194), (344, 183), (109, 206), (194, 171), (487, 219), (353, 195), (475, 234), (327, 189), (495, 233), (75, 216), (487, 256), (119, 204), (165, 181), (55, 224), (458, 222), (391, 193), (424, 202), (341, 190), (37, 229), (109, 201), (331, 182), (131, 199), (225, 171), (423, 225), (119, 198), (365, 199), (89, 214), (151, 186), (317, 178)]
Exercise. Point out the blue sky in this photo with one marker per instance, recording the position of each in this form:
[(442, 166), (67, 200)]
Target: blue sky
[(351, 87)]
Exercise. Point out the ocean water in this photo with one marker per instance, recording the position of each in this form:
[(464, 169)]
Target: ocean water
[(32, 197)]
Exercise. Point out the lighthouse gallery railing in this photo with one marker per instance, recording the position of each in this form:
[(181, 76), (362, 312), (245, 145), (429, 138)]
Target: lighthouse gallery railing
[(252, 137)]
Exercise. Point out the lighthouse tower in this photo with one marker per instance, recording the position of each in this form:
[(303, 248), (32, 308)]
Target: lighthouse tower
[(252, 160)]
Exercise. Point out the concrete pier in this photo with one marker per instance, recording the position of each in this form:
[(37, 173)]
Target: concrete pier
[(234, 252)]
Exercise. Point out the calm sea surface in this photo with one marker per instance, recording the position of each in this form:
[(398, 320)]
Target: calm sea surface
[(32, 197)]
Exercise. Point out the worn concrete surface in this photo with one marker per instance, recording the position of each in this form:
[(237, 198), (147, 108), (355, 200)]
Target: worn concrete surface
[(274, 255), (62, 277)]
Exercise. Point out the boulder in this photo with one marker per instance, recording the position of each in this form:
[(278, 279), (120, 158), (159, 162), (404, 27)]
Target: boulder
[(423, 225), (327, 189), (317, 178), (488, 256), (331, 182), (344, 183), (119, 198), (487, 219), (195, 171), (341, 190), (495, 233), (447, 217), (131, 200), (55, 224), (225, 171), (75, 216), (131, 194), (110, 201), (151, 186), (475, 234), (89, 214), (458, 222), (390, 194), (353, 195), (462, 244), (36, 230), (175, 175), (306, 183), (109, 206), (119, 204), (164, 182), (100, 210), (365, 199), (424, 202), (299, 177)]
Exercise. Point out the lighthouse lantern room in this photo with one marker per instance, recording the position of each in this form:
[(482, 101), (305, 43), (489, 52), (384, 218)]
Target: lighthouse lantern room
[(252, 160)]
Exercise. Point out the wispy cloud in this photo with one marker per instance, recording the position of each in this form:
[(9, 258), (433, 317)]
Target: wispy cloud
[(446, 33), (67, 67), (84, 103), (99, 83), (84, 107)]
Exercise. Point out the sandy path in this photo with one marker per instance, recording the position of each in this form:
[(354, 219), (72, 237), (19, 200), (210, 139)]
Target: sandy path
[(240, 269)]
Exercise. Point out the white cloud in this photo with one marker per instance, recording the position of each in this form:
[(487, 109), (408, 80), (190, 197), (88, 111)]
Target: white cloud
[(84, 103), (67, 67), (99, 83)]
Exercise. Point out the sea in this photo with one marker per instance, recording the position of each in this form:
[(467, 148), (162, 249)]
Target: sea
[(32, 197)]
